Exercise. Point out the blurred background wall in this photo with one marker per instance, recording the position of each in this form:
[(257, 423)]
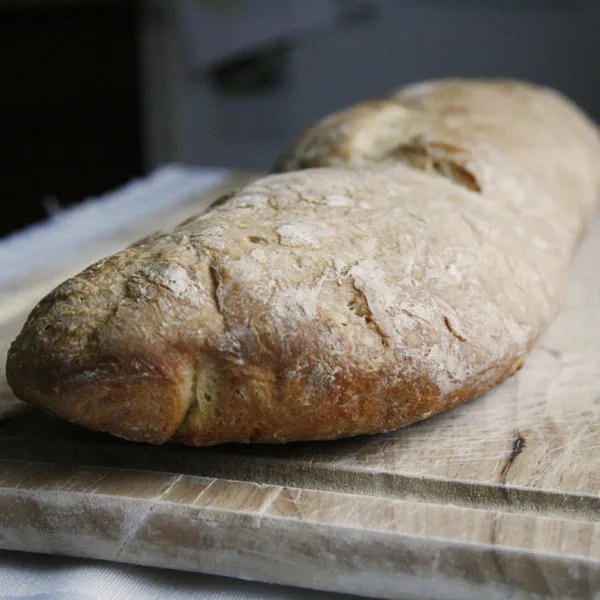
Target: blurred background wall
[(96, 92)]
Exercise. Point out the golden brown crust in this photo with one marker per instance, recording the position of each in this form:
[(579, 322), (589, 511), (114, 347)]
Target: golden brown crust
[(335, 301), (70, 359)]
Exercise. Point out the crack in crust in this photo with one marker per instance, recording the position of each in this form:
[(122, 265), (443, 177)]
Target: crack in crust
[(438, 157), (359, 305), (453, 331)]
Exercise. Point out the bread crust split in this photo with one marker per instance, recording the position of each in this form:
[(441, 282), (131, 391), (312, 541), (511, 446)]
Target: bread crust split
[(406, 263)]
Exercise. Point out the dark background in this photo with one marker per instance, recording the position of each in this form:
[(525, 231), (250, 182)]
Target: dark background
[(95, 93), (70, 105)]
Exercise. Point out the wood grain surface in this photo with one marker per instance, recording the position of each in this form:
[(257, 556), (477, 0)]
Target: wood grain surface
[(498, 498)]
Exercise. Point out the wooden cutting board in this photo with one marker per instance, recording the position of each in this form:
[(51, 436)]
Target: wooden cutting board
[(498, 498)]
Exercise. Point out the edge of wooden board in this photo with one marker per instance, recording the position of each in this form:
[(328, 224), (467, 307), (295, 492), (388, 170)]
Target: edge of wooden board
[(379, 547), (32, 435)]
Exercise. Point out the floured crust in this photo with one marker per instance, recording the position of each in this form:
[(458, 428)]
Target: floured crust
[(410, 277)]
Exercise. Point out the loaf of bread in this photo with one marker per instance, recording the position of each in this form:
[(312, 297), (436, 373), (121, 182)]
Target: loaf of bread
[(409, 270)]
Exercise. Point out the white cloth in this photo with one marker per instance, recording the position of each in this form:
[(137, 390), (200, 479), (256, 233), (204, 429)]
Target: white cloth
[(40, 577)]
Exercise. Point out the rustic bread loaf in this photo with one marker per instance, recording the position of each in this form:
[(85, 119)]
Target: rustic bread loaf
[(335, 301)]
